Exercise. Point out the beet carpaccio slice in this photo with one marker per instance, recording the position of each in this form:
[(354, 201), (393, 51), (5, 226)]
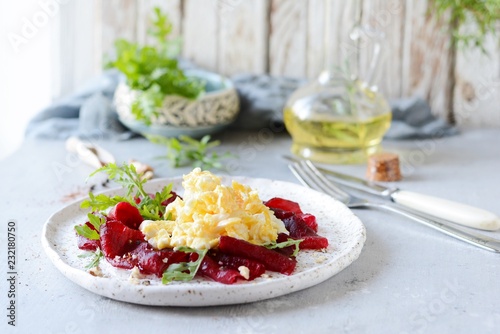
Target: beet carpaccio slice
[(272, 260)]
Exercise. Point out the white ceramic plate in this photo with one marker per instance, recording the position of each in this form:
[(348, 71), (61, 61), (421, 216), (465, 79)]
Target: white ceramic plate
[(345, 233)]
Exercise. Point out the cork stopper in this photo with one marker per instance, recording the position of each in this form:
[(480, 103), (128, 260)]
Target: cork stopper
[(383, 167)]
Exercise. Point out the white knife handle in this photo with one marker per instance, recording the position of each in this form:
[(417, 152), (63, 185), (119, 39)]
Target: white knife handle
[(453, 211)]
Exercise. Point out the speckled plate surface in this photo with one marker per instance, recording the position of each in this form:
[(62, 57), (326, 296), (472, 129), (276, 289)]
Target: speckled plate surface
[(345, 232)]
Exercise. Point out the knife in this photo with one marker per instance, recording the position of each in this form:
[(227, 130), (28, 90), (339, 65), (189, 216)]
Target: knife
[(456, 212), (98, 157), (91, 154)]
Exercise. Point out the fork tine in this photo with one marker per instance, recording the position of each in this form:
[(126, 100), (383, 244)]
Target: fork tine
[(304, 177), (309, 179), (326, 182), (298, 175)]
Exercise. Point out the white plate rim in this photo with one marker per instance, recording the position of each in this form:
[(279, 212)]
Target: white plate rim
[(203, 292)]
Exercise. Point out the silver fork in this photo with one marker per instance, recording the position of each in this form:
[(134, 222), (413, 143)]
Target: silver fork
[(311, 177)]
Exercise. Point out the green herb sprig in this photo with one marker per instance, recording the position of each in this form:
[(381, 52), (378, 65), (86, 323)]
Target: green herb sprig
[(284, 244), (186, 151), (95, 258), (85, 231), (153, 70), (484, 14), (184, 271), (150, 207)]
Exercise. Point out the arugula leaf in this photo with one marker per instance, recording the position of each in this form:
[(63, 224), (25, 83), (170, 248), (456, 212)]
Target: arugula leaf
[(127, 176), (184, 271), (96, 221), (187, 150), (284, 244), (86, 232), (151, 208), (102, 202), (96, 258)]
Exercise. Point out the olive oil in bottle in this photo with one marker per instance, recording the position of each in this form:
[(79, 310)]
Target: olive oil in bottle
[(336, 141), (336, 121)]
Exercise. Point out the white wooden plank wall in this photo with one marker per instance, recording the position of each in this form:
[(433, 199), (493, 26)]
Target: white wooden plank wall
[(243, 43), (285, 37), (118, 21), (388, 17), (477, 93), (288, 37), (426, 58)]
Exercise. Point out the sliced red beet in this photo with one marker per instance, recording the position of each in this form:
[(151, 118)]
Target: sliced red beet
[(288, 251), (272, 260), (209, 268), (125, 261), (118, 239), (313, 242), (88, 244), (127, 214), (151, 261), (256, 269), (170, 199), (283, 204), (300, 230), (310, 220)]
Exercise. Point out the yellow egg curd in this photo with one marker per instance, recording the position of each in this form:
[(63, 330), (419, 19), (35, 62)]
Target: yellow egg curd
[(209, 210)]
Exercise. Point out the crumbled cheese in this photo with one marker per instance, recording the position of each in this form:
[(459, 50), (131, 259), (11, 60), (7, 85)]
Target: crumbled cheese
[(95, 271), (320, 259), (244, 271), (135, 276)]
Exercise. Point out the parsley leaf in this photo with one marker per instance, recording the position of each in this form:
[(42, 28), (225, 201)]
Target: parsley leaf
[(153, 70), (184, 271), (284, 244)]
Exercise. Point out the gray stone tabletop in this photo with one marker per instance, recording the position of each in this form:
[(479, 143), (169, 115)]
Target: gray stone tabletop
[(408, 278)]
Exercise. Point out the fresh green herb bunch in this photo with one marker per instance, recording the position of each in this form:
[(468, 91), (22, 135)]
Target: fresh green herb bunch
[(186, 150), (150, 207), (153, 70), (485, 14)]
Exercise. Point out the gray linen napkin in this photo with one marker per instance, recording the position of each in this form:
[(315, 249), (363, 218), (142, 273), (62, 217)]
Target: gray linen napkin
[(89, 112)]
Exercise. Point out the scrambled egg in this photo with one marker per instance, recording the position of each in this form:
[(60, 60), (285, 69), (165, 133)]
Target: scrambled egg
[(209, 210)]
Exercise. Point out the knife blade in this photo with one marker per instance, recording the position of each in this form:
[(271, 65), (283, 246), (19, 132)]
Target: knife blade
[(456, 212)]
